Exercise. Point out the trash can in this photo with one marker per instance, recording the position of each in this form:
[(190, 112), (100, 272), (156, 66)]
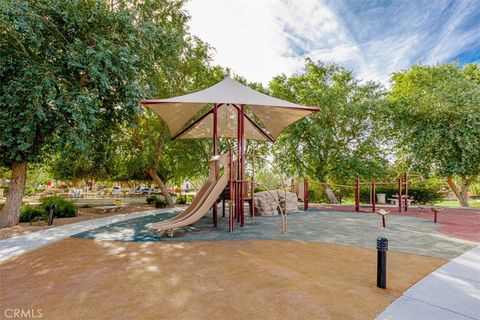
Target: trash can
[(381, 198)]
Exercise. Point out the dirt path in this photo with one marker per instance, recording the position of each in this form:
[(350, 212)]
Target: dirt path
[(87, 279)]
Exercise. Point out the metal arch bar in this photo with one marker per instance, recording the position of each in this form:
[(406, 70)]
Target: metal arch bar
[(194, 123), (263, 132)]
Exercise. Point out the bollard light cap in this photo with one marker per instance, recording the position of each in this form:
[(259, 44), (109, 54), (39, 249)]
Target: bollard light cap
[(382, 244)]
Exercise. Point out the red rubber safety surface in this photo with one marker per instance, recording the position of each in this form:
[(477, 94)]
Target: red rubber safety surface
[(459, 223)]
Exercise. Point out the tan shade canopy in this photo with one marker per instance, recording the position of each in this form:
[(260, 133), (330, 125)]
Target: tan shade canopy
[(227, 126), (274, 113)]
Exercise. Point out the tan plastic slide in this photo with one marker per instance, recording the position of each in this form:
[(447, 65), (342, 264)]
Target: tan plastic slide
[(205, 199)]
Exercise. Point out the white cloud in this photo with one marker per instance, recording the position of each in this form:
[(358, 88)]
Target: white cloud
[(245, 35), (260, 39)]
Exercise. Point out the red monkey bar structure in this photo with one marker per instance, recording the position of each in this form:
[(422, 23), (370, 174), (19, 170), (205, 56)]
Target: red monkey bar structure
[(234, 111), (402, 193)]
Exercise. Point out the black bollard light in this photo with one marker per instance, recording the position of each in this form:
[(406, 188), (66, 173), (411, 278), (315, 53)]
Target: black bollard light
[(382, 247), (51, 213)]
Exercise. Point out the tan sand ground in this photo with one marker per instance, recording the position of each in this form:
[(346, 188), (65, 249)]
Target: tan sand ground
[(87, 279)]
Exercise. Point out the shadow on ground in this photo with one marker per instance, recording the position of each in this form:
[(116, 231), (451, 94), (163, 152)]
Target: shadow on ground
[(91, 279)]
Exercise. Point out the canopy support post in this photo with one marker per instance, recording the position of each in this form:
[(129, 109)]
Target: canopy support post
[(230, 193), (215, 152), (240, 146), (242, 166)]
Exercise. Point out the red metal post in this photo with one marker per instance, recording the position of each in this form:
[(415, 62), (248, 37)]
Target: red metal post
[(242, 166), (406, 190), (252, 197), (230, 183), (223, 205), (400, 194), (215, 152), (357, 194), (374, 198), (305, 194), (239, 160)]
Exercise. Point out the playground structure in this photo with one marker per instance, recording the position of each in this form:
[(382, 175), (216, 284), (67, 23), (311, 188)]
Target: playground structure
[(402, 199), (205, 199), (402, 193), (217, 188), (234, 111)]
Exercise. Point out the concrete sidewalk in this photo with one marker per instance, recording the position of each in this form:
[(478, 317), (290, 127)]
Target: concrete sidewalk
[(451, 292), (14, 246)]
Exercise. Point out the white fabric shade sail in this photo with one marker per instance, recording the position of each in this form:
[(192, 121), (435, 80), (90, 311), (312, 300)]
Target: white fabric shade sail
[(229, 95), (227, 126)]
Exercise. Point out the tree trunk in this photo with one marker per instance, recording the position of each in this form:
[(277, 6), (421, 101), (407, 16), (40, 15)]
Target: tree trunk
[(153, 174), (460, 194), (331, 196), (11, 211)]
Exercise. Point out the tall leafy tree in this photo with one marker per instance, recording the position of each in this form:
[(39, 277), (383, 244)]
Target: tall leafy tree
[(68, 68), (153, 152), (340, 141), (435, 115), (97, 162)]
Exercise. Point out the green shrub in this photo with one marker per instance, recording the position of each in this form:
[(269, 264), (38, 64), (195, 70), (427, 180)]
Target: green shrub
[(30, 191), (29, 213), (421, 195), (184, 199), (159, 202), (150, 199), (316, 194), (64, 208), (181, 200)]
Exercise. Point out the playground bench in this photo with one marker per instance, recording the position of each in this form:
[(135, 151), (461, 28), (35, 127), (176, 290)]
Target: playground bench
[(106, 209), (394, 201)]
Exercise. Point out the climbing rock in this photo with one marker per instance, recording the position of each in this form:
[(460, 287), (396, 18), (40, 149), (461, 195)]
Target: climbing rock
[(292, 201), (266, 202)]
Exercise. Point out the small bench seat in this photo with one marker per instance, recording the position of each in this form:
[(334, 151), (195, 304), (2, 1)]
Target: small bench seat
[(394, 201), (383, 213), (435, 211)]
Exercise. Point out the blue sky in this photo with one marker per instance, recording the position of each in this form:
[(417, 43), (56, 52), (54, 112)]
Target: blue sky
[(262, 38)]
